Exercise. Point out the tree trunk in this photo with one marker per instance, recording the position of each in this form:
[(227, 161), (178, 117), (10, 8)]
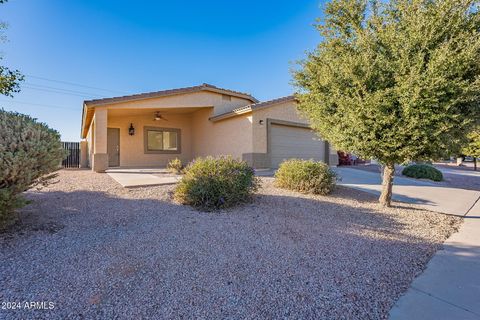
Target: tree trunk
[(386, 195), (475, 163)]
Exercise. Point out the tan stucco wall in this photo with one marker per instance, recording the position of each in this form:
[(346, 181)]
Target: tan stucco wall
[(100, 157), (84, 154), (286, 111), (89, 139), (132, 147), (227, 137), (100, 131)]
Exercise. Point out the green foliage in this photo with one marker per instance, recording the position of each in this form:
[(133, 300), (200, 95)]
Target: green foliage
[(306, 176), (9, 81), (175, 166), (423, 171), (215, 183), (472, 147), (394, 80), (29, 153)]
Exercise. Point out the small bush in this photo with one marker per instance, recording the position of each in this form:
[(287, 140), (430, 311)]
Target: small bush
[(215, 183), (175, 166), (423, 171), (306, 176), (29, 152)]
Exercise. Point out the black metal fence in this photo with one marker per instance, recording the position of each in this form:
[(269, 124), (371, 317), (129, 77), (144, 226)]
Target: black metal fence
[(73, 158)]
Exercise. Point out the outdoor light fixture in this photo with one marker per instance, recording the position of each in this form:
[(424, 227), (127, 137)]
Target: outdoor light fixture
[(131, 130), (260, 122)]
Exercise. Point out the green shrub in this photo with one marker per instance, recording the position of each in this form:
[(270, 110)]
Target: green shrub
[(175, 166), (423, 171), (29, 153), (215, 183), (306, 176)]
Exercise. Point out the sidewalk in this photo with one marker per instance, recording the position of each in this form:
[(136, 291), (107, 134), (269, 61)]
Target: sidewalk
[(450, 286)]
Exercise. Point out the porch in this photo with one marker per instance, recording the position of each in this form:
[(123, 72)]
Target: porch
[(136, 138)]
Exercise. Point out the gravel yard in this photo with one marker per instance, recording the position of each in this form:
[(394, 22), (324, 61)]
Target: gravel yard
[(97, 250)]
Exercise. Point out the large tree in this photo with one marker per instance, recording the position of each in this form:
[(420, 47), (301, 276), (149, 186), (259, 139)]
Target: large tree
[(394, 80)]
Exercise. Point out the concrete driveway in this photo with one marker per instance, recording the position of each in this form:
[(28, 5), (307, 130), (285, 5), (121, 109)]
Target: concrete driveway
[(430, 195)]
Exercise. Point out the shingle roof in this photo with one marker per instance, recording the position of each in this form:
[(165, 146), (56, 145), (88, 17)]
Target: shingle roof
[(148, 95), (251, 107)]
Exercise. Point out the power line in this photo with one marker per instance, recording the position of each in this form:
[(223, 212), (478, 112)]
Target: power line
[(29, 84), (39, 104), (74, 84), (56, 91)]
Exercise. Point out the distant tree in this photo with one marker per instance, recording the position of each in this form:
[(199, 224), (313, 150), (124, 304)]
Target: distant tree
[(9, 79), (472, 148), (394, 80)]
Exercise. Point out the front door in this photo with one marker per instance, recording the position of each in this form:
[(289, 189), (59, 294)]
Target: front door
[(113, 147)]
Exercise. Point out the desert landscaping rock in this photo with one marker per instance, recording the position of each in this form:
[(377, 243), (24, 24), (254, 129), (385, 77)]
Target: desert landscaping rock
[(97, 250)]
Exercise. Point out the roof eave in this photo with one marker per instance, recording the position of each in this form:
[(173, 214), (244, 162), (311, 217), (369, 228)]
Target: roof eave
[(252, 107), (159, 94), (230, 114), (85, 126)]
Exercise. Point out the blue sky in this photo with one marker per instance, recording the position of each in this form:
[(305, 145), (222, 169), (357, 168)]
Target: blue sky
[(113, 48)]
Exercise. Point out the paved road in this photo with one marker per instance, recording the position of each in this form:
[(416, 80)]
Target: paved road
[(450, 286)]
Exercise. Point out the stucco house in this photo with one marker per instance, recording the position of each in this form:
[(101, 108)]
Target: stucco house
[(149, 129)]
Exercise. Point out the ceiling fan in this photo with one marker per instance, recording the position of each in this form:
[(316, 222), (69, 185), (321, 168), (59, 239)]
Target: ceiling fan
[(158, 116)]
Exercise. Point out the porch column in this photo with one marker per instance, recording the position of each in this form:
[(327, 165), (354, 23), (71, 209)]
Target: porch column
[(83, 154), (100, 156)]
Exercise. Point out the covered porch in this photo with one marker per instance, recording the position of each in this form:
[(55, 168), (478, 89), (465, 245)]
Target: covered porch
[(150, 129), (141, 137)]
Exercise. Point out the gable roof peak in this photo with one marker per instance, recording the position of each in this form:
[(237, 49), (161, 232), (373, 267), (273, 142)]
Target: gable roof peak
[(162, 93)]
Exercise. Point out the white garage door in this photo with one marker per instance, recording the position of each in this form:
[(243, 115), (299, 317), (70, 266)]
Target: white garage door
[(288, 142)]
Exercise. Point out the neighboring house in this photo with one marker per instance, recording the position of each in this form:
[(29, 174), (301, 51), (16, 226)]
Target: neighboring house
[(149, 129)]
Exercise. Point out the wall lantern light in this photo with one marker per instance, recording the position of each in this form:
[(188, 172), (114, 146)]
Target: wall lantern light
[(131, 130), (260, 122)]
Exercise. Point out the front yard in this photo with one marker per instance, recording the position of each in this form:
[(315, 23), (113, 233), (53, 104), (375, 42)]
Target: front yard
[(96, 249)]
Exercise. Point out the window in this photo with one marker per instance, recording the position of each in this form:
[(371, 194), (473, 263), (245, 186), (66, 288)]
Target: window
[(162, 140), (226, 97)]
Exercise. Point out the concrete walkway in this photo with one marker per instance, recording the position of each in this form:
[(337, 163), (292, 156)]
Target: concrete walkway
[(449, 288), (130, 178)]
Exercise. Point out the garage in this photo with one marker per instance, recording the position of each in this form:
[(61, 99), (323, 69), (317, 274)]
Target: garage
[(288, 142)]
